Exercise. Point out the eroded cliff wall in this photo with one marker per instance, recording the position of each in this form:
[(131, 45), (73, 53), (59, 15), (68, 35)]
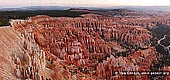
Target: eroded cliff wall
[(21, 58), (93, 46)]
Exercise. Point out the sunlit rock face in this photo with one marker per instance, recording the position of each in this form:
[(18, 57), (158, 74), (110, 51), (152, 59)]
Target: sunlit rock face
[(87, 47), (24, 58), (21, 58)]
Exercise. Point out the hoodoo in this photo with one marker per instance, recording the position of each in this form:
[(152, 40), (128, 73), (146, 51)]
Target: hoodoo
[(63, 48)]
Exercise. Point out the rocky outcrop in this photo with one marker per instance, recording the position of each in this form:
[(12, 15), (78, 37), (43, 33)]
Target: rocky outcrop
[(87, 46), (21, 58), (140, 61)]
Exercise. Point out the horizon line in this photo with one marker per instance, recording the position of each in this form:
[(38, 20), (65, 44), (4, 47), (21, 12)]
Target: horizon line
[(1, 7)]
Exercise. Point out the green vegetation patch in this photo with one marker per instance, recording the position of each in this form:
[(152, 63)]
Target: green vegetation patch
[(166, 41), (5, 16)]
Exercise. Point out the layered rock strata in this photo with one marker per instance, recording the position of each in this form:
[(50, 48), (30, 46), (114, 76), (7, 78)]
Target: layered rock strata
[(87, 46)]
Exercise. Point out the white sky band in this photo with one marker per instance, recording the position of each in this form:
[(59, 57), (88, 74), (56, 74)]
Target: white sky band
[(97, 3)]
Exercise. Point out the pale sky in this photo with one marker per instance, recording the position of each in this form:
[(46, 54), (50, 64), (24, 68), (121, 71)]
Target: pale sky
[(97, 3)]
